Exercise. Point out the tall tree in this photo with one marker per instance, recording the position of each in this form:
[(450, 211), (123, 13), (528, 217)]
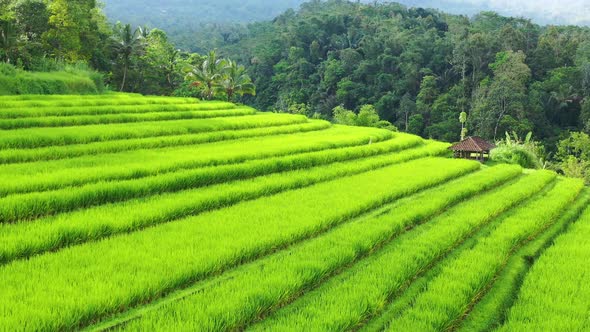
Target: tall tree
[(32, 19), (126, 43), (407, 108), (161, 61), (68, 20), (8, 41), (426, 97), (6, 14), (503, 95)]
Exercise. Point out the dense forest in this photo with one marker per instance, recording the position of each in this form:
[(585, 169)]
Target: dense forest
[(193, 24), (196, 25), (419, 69)]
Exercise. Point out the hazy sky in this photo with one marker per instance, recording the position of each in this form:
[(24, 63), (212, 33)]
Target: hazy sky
[(553, 11)]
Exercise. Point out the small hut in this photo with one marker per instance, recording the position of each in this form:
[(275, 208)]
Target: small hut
[(473, 147)]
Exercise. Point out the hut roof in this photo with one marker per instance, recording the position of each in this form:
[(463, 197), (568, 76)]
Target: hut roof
[(473, 144)]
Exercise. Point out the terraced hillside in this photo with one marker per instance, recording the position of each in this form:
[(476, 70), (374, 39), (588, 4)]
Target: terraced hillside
[(123, 212)]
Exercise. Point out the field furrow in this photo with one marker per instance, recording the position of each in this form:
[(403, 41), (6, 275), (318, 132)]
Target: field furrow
[(348, 299), (239, 297), (70, 98), (52, 175), (75, 286), (8, 156), (464, 279), (53, 121), (51, 233), (490, 311), (41, 137), (27, 206), (24, 101), (33, 111), (554, 295)]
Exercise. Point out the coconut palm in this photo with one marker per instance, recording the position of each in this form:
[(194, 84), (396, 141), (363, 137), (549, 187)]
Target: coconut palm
[(208, 76), (126, 43), (235, 81)]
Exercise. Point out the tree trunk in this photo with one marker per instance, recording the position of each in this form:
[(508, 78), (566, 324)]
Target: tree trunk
[(124, 78), (498, 123), (406, 122)]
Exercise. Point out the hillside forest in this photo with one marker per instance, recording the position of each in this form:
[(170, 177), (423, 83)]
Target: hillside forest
[(419, 70)]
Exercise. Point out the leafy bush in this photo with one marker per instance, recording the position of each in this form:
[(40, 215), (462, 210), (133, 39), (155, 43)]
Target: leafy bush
[(73, 79), (515, 155), (367, 117), (7, 69), (187, 89), (573, 155), (513, 150)]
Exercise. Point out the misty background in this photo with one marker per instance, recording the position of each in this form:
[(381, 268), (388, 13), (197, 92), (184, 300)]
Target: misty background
[(192, 13)]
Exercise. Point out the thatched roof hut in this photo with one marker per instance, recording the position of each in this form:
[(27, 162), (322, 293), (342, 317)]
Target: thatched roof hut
[(473, 147)]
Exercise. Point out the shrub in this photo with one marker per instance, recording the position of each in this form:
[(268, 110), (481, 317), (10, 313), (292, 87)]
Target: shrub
[(367, 117), (72, 80), (513, 150), (7, 69), (515, 155)]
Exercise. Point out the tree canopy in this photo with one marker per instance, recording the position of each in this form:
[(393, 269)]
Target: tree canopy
[(421, 68)]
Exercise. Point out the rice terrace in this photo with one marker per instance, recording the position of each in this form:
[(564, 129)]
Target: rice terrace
[(123, 212)]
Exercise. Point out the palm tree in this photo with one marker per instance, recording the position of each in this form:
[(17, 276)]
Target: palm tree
[(126, 43), (143, 32), (564, 96), (208, 75), (170, 66), (235, 81)]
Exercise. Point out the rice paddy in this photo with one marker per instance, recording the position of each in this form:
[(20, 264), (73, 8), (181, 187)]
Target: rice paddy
[(131, 213)]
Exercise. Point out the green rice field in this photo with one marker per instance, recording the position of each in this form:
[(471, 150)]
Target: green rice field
[(120, 212)]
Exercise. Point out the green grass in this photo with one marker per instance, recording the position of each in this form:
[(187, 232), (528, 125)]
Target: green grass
[(78, 120), (131, 269), (75, 150), (233, 300), (17, 113), (462, 279), (125, 212), (40, 137), (26, 102), (108, 95), (346, 300), (64, 82), (28, 238), (554, 295), (54, 175)]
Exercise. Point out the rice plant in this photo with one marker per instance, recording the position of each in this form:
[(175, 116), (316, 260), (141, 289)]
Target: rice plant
[(79, 120), (75, 150), (233, 300), (25, 239), (75, 286), (125, 212), (56, 175), (346, 300), (41, 137), (460, 280), (554, 295)]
